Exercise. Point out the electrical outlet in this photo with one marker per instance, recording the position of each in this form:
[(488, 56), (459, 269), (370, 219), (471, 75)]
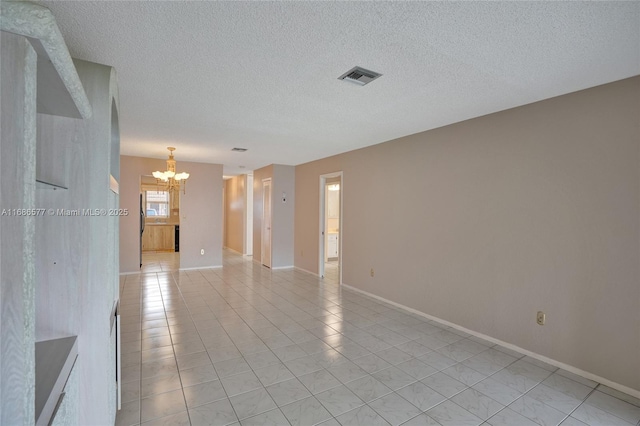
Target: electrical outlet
[(372, 272), (541, 318), (202, 252)]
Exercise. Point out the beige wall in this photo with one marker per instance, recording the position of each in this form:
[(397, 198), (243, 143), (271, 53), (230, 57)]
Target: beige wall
[(283, 215), (490, 220), (282, 181), (307, 210), (200, 212), (235, 210)]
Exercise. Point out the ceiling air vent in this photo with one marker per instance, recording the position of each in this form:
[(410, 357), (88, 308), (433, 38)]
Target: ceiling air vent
[(359, 76), (239, 149)]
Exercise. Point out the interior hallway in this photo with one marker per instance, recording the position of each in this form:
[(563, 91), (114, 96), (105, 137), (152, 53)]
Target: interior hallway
[(245, 345)]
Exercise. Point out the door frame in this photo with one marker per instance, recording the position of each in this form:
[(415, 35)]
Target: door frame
[(323, 221), (248, 216), (262, 256)]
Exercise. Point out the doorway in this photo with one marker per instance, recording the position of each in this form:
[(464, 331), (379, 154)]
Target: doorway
[(266, 223), (248, 241), (331, 231), (159, 227)]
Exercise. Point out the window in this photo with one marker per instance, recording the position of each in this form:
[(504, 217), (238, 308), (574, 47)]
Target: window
[(157, 203)]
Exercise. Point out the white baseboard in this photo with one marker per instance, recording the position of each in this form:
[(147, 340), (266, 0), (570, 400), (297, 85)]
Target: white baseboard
[(130, 273), (201, 267), (308, 272), (277, 268), (579, 372), (273, 268)]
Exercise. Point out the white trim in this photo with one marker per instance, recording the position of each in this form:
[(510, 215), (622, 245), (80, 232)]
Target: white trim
[(308, 272), (200, 267), (579, 372), (277, 268), (130, 273), (321, 225), (262, 225)]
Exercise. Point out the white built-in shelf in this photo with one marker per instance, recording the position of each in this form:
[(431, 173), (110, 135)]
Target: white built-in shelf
[(54, 361), (60, 91)]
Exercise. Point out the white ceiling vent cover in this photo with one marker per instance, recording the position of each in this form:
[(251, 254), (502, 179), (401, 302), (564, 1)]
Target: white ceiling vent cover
[(359, 76)]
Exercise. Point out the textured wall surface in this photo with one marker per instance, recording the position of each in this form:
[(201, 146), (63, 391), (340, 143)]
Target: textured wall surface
[(469, 59), (59, 264), (68, 411), (77, 256), (484, 222), (17, 191)]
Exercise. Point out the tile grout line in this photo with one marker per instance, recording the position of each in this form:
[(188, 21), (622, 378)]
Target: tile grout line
[(175, 356), (234, 344), (209, 356), (140, 380), (286, 295)]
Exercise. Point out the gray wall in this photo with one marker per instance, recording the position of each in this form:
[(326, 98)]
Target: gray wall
[(484, 222), (200, 212)]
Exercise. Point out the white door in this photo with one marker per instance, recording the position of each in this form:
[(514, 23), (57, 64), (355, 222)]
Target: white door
[(266, 222)]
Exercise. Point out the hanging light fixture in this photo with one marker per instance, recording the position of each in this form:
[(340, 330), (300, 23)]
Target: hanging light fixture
[(169, 180)]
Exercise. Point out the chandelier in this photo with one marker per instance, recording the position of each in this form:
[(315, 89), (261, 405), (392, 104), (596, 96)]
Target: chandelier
[(169, 180)]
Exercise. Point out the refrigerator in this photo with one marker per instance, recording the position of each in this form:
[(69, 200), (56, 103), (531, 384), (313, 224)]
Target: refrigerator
[(141, 227)]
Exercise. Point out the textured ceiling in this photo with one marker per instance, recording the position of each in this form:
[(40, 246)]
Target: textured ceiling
[(209, 76)]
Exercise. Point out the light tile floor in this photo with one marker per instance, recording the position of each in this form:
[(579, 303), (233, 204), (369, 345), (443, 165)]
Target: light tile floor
[(331, 271), (158, 261), (245, 346)]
